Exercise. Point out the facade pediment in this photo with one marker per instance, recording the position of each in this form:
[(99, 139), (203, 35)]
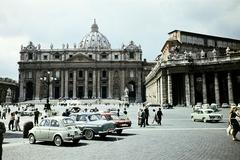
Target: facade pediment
[(80, 58)]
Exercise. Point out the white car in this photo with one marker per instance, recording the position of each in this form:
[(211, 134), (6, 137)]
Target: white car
[(206, 115), (57, 129)]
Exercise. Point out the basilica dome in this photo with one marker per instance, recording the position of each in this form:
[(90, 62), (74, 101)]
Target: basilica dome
[(95, 39)]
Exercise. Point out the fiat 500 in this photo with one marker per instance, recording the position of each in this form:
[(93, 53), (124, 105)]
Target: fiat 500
[(57, 129), (92, 124), (206, 115)]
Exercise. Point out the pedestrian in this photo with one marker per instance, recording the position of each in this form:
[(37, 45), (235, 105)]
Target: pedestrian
[(139, 116), (233, 121), (118, 112), (17, 121), (159, 116), (125, 111), (36, 116), (2, 131), (143, 119), (4, 112), (66, 113), (11, 121), (8, 109), (146, 115), (155, 118)]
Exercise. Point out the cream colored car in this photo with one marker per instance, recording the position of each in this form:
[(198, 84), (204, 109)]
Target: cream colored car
[(206, 115), (56, 129)]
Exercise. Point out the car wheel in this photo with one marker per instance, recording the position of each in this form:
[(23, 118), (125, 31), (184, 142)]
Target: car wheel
[(58, 140), (204, 120), (119, 132), (31, 139), (193, 119), (89, 134), (103, 135), (76, 141)]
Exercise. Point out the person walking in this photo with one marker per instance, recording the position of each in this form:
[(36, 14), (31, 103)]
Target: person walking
[(143, 119), (159, 116), (11, 122), (139, 116), (2, 131), (155, 118), (146, 110), (17, 121), (4, 112), (233, 121), (36, 116)]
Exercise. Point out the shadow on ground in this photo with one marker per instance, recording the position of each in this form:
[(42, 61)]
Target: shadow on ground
[(13, 134)]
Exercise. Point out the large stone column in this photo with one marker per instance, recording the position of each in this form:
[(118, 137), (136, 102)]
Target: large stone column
[(37, 82), (99, 84), (86, 85), (109, 84), (123, 83), (21, 87), (204, 88), (170, 100), (192, 88), (66, 84), (139, 87), (187, 90), (230, 90), (163, 89), (62, 84), (216, 89), (94, 84), (51, 86), (74, 84)]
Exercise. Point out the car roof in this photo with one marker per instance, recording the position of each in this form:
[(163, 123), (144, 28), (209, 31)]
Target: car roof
[(206, 109), (85, 113), (57, 117)]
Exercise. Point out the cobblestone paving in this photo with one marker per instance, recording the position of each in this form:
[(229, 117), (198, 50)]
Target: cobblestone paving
[(177, 139)]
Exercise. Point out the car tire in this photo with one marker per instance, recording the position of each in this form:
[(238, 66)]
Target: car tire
[(76, 141), (204, 120), (119, 132), (31, 139), (89, 134), (58, 140), (103, 135)]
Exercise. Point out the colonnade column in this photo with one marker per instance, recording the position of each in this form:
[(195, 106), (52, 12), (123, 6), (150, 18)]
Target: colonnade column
[(187, 90), (98, 84), (216, 89), (51, 86), (204, 88), (139, 87), (109, 84), (170, 100), (37, 89), (192, 89), (230, 89), (86, 85), (21, 87), (66, 84), (123, 83), (94, 84), (74, 83), (163, 89), (62, 84)]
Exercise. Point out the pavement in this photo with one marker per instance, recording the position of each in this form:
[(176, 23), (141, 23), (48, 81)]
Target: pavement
[(178, 138)]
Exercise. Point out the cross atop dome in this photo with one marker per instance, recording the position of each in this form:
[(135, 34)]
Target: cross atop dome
[(94, 26)]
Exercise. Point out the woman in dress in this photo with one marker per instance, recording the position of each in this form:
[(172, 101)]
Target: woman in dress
[(233, 121)]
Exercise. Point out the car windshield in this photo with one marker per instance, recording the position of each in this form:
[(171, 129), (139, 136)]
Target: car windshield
[(209, 111), (94, 117), (68, 121)]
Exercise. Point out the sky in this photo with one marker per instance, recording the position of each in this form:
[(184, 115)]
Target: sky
[(146, 22)]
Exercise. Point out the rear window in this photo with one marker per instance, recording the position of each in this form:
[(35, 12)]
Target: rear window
[(68, 121)]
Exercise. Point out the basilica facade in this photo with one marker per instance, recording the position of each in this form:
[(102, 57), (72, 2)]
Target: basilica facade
[(194, 68), (89, 70)]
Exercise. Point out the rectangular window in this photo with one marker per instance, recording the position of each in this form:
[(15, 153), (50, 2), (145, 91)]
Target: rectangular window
[(56, 56), (104, 56), (70, 56), (80, 74), (116, 57), (45, 57), (131, 55), (70, 75), (90, 75), (104, 74), (90, 56)]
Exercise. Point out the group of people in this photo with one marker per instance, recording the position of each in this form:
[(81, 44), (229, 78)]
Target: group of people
[(143, 116), (14, 121)]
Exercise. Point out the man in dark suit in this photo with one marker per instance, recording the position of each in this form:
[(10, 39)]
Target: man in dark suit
[(2, 131)]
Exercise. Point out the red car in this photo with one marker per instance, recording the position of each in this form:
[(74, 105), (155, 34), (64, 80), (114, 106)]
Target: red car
[(121, 121)]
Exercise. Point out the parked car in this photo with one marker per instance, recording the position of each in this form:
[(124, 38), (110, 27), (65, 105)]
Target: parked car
[(57, 129), (29, 111), (206, 115), (197, 106), (214, 107), (225, 105), (121, 121), (205, 106), (92, 124)]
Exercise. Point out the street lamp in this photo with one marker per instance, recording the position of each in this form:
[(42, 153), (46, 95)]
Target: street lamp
[(48, 80)]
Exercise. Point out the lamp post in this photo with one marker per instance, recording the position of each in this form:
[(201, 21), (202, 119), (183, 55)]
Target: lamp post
[(48, 80)]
